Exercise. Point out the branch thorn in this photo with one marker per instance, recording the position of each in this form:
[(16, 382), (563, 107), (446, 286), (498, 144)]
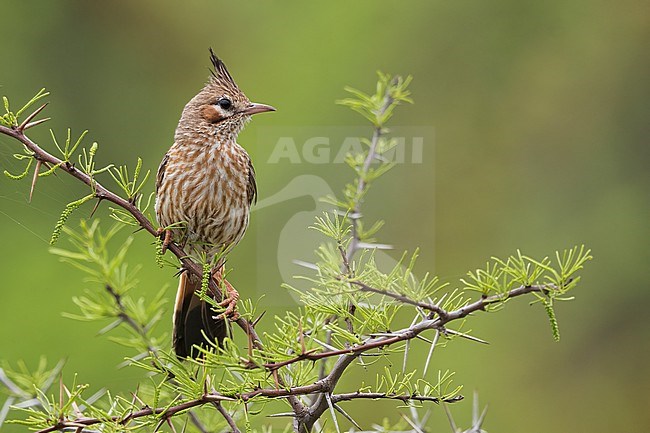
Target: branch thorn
[(99, 200), (256, 321), (27, 123), (35, 178), (275, 378), (36, 123)]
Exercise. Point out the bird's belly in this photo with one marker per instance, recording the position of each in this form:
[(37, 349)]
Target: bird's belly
[(213, 211), (220, 222)]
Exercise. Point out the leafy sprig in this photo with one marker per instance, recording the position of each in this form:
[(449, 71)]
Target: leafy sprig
[(10, 119), (373, 107), (68, 149), (130, 185)]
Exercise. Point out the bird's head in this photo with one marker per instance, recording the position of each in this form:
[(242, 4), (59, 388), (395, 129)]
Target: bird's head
[(220, 106)]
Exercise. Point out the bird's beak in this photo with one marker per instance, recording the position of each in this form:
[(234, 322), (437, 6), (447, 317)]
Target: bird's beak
[(254, 108)]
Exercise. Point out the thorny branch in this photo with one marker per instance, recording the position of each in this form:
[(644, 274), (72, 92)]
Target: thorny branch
[(323, 389), (216, 400), (411, 332), (347, 356)]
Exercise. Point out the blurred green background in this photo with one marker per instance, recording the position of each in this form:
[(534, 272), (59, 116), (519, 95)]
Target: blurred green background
[(536, 123)]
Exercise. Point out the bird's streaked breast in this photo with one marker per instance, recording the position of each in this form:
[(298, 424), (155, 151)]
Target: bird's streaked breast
[(207, 188)]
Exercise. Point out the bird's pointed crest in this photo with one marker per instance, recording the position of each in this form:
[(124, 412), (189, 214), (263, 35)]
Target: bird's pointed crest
[(220, 73)]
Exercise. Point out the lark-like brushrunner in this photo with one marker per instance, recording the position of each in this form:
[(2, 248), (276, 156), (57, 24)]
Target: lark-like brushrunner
[(204, 190)]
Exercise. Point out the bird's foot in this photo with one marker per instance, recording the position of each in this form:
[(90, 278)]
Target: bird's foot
[(166, 236), (230, 299)]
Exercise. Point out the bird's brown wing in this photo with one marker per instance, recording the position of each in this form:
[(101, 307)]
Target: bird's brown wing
[(251, 188), (161, 171)]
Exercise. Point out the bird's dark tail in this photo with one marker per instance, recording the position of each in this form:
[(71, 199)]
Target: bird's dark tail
[(194, 320)]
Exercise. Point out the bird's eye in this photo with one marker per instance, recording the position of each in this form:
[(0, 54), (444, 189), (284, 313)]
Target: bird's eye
[(224, 103)]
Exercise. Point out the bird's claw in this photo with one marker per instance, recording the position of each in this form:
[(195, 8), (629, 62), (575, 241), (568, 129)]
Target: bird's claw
[(167, 238), (230, 302)]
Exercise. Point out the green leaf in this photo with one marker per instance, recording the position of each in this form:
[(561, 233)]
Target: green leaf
[(70, 207), (21, 175)]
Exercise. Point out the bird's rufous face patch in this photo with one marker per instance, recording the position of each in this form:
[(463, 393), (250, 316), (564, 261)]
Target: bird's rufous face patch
[(211, 114)]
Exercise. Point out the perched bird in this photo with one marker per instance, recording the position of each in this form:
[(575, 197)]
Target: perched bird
[(204, 189)]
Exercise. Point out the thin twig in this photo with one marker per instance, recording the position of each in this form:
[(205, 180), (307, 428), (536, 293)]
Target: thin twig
[(404, 299), (229, 419), (383, 396), (126, 318), (355, 214)]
